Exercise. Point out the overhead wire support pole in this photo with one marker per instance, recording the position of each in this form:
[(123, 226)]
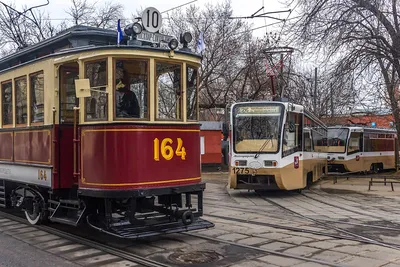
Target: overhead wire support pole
[(315, 91)]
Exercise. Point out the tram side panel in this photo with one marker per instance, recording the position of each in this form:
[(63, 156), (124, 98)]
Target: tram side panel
[(26, 157), (131, 157)]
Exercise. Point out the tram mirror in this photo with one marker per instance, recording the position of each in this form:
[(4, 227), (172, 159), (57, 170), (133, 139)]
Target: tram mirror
[(225, 129), (82, 88)]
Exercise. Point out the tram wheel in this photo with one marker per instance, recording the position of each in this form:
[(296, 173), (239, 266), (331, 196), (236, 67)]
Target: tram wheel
[(35, 215), (35, 218)]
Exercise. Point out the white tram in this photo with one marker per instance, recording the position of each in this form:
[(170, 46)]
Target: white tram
[(360, 149), (275, 145)]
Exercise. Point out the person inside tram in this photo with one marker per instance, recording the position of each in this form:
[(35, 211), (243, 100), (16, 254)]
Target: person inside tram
[(126, 100)]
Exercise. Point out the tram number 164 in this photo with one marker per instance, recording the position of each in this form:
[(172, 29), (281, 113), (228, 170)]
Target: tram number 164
[(167, 152)]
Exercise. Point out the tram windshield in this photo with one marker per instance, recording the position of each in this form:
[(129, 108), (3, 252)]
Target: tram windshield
[(337, 139), (257, 128)]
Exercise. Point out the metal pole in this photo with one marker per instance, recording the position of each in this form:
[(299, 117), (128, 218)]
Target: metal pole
[(315, 91), (331, 101), (281, 92), (396, 153)]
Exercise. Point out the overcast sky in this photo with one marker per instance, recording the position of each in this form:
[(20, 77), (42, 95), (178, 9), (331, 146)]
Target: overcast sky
[(57, 8)]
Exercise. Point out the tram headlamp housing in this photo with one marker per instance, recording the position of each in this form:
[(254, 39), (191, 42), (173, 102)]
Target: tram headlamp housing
[(129, 29), (173, 44), (241, 163), (270, 163), (185, 39), (137, 28)]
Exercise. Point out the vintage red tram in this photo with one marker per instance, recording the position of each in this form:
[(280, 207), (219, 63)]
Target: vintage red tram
[(103, 133)]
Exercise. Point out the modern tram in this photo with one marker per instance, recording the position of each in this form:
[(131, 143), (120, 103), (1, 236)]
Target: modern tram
[(360, 149), (275, 146), (103, 132)]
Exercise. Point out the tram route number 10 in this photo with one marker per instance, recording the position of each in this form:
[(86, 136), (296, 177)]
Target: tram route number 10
[(154, 17), (167, 152)]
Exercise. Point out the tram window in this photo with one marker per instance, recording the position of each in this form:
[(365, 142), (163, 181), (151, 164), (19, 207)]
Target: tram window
[(191, 93), (21, 101), (96, 104), (68, 75), (355, 143), (169, 91), (292, 134), (6, 94), (131, 88), (37, 97), (307, 142)]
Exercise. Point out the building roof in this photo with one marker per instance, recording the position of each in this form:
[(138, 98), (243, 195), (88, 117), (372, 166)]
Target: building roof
[(381, 121), (211, 125)]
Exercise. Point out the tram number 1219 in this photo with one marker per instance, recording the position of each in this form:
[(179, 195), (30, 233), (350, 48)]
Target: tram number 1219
[(167, 152)]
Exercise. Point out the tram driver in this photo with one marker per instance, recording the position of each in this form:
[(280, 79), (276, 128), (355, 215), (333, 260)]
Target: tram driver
[(126, 101)]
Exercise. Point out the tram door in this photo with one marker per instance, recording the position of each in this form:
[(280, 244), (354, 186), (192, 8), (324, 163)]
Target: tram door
[(68, 73)]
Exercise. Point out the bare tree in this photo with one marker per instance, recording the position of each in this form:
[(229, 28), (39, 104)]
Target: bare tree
[(358, 36), (81, 11), (107, 15), (20, 29)]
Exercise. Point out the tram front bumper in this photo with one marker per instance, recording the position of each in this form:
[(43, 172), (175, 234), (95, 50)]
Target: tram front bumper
[(249, 181)]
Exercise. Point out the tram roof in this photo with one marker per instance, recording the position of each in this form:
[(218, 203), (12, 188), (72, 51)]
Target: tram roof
[(76, 38), (362, 128)]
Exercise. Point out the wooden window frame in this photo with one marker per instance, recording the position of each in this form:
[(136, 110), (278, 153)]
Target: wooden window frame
[(10, 125), (114, 89), (106, 86), (30, 100), (183, 113), (15, 100), (197, 93)]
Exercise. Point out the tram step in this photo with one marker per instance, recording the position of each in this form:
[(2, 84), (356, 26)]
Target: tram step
[(2, 193), (70, 202), (2, 187), (2, 205), (65, 220), (55, 202), (134, 232)]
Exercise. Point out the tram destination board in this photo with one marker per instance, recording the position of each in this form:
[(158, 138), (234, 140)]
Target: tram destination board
[(153, 37), (254, 110)]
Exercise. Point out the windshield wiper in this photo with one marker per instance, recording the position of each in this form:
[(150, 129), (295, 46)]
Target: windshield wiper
[(262, 147)]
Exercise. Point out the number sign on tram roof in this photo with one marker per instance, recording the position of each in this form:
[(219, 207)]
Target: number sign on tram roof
[(151, 19)]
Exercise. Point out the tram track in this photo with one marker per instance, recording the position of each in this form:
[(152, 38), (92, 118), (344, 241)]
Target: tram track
[(270, 251), (142, 261), (263, 212), (89, 243), (344, 208), (338, 229)]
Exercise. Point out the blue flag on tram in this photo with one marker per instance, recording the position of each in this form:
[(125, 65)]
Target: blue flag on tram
[(119, 38), (200, 44)]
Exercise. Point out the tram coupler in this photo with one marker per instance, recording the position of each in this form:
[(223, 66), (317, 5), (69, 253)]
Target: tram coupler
[(186, 215)]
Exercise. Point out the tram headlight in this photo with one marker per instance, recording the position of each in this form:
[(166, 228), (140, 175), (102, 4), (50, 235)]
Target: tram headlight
[(241, 163), (186, 38), (128, 29), (173, 44), (270, 163), (137, 28)]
